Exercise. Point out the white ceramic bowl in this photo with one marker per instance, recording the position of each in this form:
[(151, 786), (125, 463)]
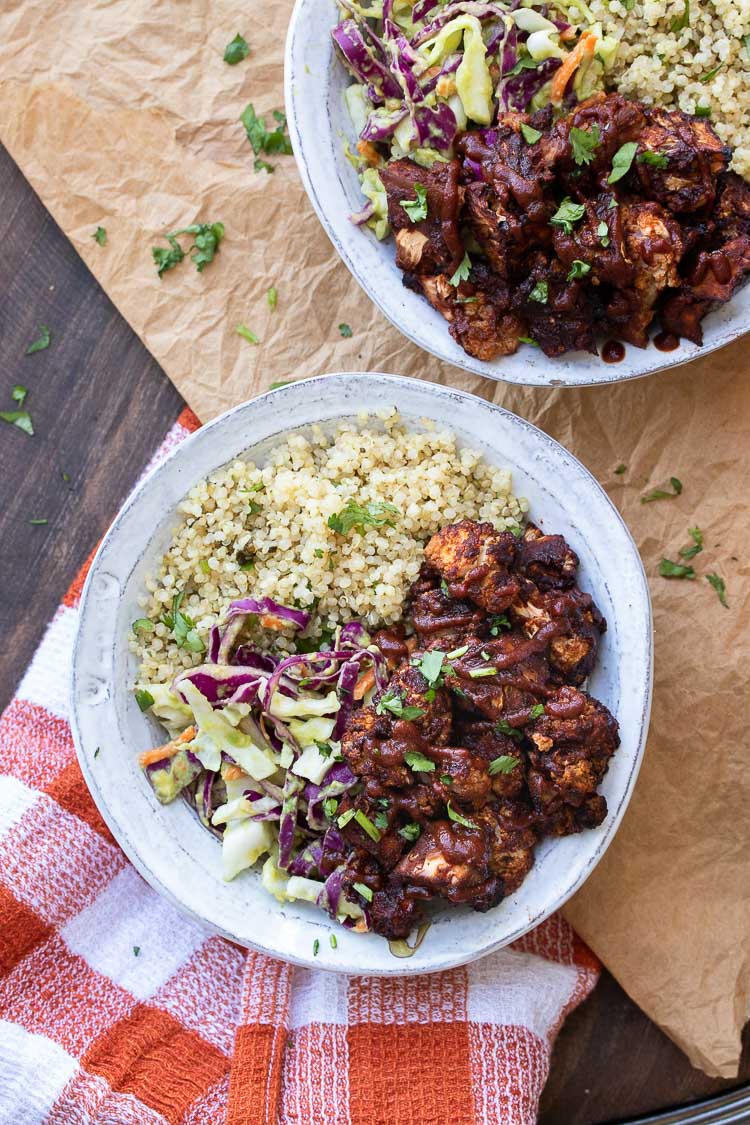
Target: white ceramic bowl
[(168, 845), (319, 123)]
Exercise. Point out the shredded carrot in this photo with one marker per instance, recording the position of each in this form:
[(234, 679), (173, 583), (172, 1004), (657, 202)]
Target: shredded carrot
[(233, 773), (370, 153), (270, 621), (364, 683), (159, 753), (583, 49)]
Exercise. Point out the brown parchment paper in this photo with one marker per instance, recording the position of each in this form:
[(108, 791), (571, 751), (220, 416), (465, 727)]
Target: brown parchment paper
[(123, 114)]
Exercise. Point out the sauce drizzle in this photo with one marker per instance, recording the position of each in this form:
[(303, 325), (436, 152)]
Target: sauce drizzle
[(613, 351)]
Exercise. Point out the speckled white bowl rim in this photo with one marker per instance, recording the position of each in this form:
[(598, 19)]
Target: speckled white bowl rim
[(318, 122), (169, 847)]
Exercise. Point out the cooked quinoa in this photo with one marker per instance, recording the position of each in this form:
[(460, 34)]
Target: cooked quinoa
[(263, 530), (705, 65)]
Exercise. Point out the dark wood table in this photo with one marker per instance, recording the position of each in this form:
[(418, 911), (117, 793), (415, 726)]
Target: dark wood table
[(100, 405)]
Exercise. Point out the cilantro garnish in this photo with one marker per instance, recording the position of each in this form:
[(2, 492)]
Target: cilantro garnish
[(375, 513), (363, 890), (366, 825), (705, 110), (144, 699), (100, 235), (272, 296), (603, 234), (332, 940), (540, 292), (622, 160), (316, 947), (416, 209), (329, 807), (669, 569), (410, 832), (621, 468), (182, 627), (136, 950), (696, 547), (418, 762), (567, 213), (504, 727), (261, 140), (42, 341), (458, 819), (499, 622), (463, 271), (526, 63), (584, 143), (529, 134), (38, 523), (661, 494), (578, 270), (142, 625), (20, 418), (506, 763), (243, 331), (657, 159), (207, 239), (527, 340), (18, 394), (345, 331), (431, 666), (537, 711), (236, 51), (444, 588), (393, 703), (720, 587), (711, 74)]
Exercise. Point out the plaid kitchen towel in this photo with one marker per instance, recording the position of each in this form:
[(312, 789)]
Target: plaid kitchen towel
[(115, 1009)]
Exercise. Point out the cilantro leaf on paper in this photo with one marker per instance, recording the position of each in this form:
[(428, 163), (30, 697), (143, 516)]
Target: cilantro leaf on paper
[(662, 494), (263, 140), (696, 547), (236, 51), (100, 236), (42, 341), (207, 237), (720, 587), (20, 418), (669, 569)]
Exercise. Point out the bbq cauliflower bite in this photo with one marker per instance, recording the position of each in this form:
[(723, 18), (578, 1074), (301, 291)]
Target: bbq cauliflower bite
[(510, 841), (453, 862), (573, 651), (475, 561), (486, 741), (546, 559), (409, 685), (503, 678), (571, 747), (441, 621)]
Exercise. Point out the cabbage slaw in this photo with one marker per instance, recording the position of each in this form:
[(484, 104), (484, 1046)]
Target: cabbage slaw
[(255, 749), (425, 71)]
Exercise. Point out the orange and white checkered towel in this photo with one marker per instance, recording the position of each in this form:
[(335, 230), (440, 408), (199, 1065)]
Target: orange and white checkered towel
[(117, 1010)]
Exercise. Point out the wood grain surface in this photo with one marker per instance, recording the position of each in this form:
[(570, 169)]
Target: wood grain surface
[(100, 405)]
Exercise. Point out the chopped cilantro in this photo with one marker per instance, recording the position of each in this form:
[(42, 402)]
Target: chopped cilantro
[(410, 832), (711, 74), (462, 273), (380, 821), (431, 666), (97, 752), (603, 233), (720, 587), (657, 159), (316, 947), (41, 342), (345, 331), (529, 134), (504, 727), (261, 140), (363, 890), (332, 940), (329, 807), (144, 699), (243, 331), (182, 627), (705, 110), (280, 383), (38, 523), (354, 516), (620, 469), (696, 547), (318, 553), (446, 779), (540, 292), (236, 51), (499, 622), (679, 23), (584, 143), (136, 950), (568, 213), (506, 763), (527, 340), (206, 243), (578, 270), (393, 703), (142, 625), (18, 394), (20, 418), (100, 235), (444, 588), (525, 63), (622, 160), (366, 825), (668, 569), (661, 494), (458, 819), (272, 296), (416, 209), (537, 711), (417, 762)]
